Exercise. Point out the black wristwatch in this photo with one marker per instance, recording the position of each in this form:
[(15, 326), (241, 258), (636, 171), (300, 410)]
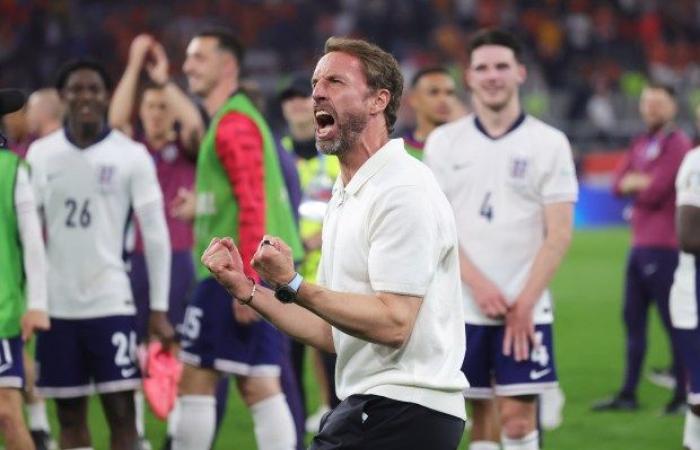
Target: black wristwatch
[(287, 293)]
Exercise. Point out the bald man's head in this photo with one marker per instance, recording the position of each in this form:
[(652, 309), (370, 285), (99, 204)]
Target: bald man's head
[(44, 112)]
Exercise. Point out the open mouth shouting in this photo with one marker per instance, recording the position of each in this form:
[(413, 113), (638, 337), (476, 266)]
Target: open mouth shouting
[(326, 123)]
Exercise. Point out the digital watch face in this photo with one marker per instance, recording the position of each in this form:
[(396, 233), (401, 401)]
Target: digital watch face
[(285, 294)]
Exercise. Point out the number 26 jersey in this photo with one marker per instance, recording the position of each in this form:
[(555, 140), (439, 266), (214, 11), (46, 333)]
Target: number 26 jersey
[(87, 196)]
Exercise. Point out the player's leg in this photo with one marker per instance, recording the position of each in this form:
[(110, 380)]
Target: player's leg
[(12, 380), (292, 394), (661, 282), (110, 343), (12, 427), (478, 368), (65, 376), (37, 419), (635, 314), (325, 390), (196, 422), (120, 414), (689, 346), (518, 383), (138, 277), (259, 383), (206, 332)]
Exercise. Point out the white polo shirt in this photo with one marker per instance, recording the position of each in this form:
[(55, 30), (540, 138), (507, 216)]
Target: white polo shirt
[(498, 189), (392, 230), (684, 293)]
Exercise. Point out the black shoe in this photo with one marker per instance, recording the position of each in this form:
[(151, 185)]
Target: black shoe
[(41, 439), (616, 403), (168, 443), (676, 406)]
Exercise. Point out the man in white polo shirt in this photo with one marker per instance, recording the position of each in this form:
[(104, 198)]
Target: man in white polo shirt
[(685, 293), (511, 181), (389, 300)]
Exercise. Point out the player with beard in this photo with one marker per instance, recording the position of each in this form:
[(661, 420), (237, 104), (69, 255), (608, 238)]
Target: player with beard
[(88, 178), (240, 192), (432, 98), (510, 179), (389, 273)]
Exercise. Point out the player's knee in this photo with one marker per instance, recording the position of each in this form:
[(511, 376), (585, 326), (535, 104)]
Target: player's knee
[(257, 389), (10, 413), (197, 381), (516, 427)]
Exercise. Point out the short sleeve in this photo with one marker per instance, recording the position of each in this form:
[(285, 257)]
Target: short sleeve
[(431, 158), (37, 176), (688, 181), (559, 183), (403, 235), (144, 180)]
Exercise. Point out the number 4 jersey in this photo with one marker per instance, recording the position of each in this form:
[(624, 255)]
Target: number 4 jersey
[(498, 188), (87, 196)]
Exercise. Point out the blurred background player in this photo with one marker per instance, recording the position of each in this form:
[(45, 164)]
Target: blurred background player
[(647, 175), (16, 131), (317, 173), (513, 199), (88, 178), (240, 192), (44, 112), (44, 115), (22, 283), (433, 100), (685, 293), (170, 127)]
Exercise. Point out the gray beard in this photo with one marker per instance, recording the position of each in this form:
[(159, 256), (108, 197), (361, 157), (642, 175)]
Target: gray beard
[(350, 130)]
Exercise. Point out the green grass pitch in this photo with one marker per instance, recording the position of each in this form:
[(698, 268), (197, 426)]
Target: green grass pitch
[(589, 350)]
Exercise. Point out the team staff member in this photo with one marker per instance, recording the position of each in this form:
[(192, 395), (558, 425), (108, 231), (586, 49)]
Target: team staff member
[(388, 296)]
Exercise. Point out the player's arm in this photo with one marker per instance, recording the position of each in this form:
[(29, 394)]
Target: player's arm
[(688, 210), (124, 97), (519, 321), (623, 177), (147, 201), (33, 257), (239, 145), (487, 295), (660, 186), (186, 112)]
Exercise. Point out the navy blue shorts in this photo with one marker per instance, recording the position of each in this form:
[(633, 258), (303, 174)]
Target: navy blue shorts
[(11, 363), (78, 357), (490, 372), (181, 285), (689, 346), (211, 338)]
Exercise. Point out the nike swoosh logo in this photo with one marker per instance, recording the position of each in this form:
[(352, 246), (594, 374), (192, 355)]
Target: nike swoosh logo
[(537, 374), (127, 373), (4, 367), (54, 175), (460, 166)]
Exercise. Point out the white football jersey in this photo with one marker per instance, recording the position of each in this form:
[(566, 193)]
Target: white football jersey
[(684, 294), (87, 197), (498, 189)]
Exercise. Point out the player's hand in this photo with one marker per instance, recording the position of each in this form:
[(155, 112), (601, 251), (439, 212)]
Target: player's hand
[(244, 315), (224, 262), (519, 332), (273, 261), (634, 182), (34, 320), (159, 327), (139, 49), (158, 67), (184, 205), (490, 299)]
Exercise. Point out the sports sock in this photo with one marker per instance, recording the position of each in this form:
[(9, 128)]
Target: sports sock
[(691, 431), (197, 430), (529, 442), (138, 412), (484, 445), (173, 417), (274, 426), (36, 415)]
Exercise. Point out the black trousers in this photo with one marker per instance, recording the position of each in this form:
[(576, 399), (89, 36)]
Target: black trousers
[(371, 422)]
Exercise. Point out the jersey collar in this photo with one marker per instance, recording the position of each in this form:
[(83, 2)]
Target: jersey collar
[(479, 126), (381, 158)]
